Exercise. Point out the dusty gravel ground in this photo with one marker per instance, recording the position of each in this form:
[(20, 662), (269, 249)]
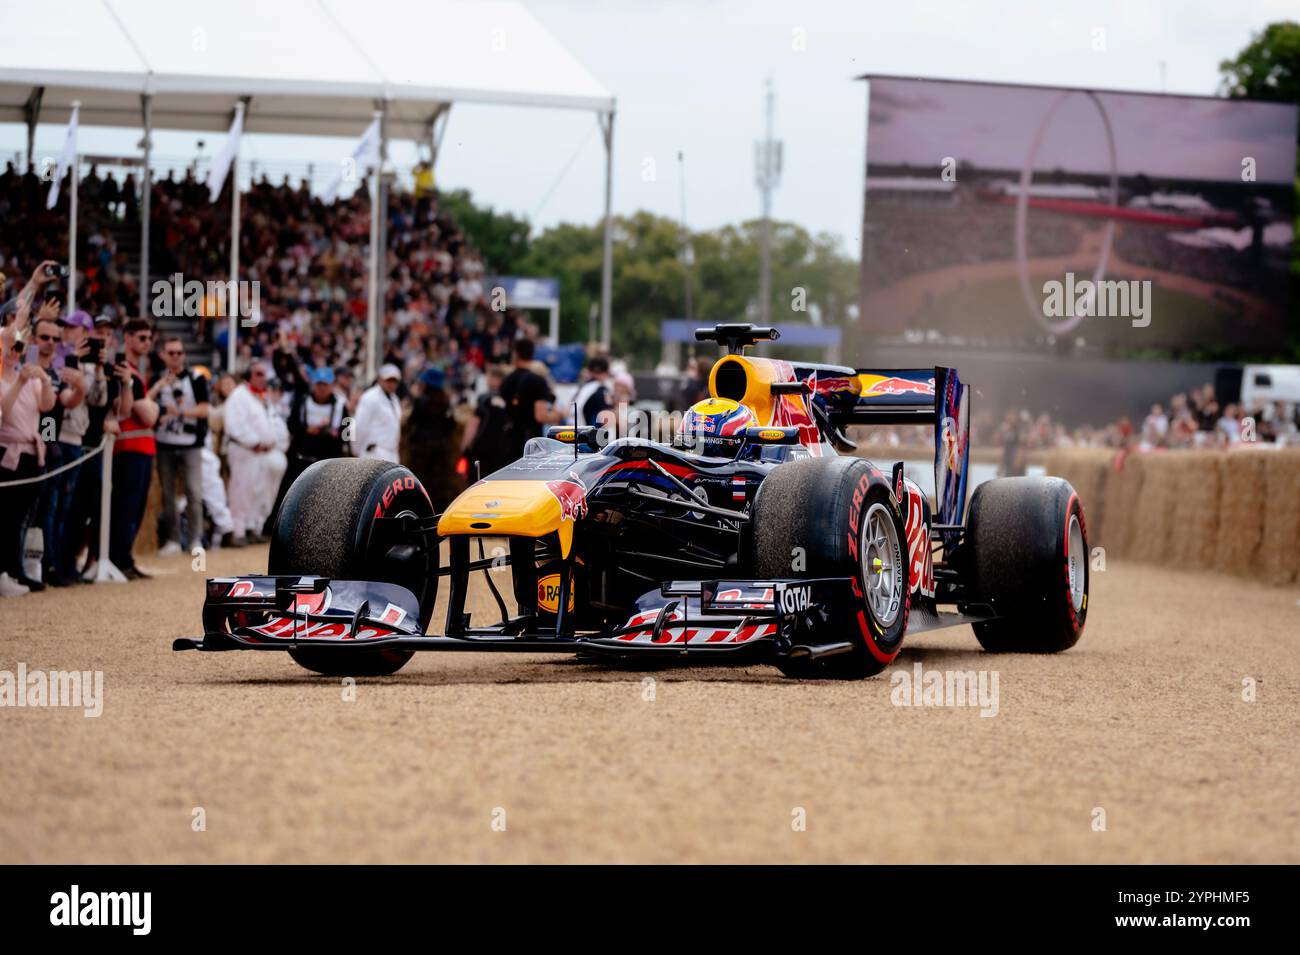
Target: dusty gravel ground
[(1144, 720)]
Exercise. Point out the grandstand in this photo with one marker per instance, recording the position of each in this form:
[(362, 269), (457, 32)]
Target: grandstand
[(308, 255), (309, 67)]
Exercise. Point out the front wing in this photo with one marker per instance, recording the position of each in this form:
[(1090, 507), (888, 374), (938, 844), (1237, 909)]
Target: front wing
[(700, 619)]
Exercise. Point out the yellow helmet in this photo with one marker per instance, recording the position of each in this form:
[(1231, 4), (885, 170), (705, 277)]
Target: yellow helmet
[(716, 426)]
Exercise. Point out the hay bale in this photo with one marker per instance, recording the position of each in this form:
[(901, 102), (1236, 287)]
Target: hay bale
[(1086, 469), (1151, 518), (1123, 491), (1279, 551), (1237, 511), (1195, 528), (1242, 509)]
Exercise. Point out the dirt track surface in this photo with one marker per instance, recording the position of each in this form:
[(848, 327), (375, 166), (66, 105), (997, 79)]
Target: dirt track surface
[(1144, 719)]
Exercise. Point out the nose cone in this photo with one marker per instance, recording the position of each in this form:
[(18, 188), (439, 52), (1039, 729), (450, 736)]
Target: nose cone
[(517, 509)]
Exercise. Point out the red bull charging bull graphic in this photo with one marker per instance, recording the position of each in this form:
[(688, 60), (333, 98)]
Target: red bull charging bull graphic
[(572, 495)]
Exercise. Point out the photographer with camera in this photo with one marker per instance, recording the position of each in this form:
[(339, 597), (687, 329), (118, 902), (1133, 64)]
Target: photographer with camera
[(81, 523), (182, 425), (60, 368), (20, 305), (26, 393), (63, 430), (133, 454)]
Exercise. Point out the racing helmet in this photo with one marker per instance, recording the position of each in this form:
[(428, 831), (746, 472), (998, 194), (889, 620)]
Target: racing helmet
[(715, 427)]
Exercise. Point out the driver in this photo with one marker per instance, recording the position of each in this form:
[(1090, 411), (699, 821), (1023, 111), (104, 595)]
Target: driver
[(715, 427)]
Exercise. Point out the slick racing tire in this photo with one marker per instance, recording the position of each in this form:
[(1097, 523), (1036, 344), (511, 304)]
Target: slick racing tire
[(1028, 544), (324, 528), (836, 517)]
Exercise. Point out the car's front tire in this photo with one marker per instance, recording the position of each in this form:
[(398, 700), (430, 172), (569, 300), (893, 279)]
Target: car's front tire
[(324, 529), (836, 517)]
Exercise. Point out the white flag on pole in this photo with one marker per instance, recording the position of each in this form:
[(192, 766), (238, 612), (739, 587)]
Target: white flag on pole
[(364, 156), (229, 149), (66, 158)]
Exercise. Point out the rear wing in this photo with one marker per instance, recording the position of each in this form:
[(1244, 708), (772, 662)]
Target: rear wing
[(923, 396), (894, 396)]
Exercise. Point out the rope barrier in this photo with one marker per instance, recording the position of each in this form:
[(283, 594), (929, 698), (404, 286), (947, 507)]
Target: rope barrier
[(72, 464)]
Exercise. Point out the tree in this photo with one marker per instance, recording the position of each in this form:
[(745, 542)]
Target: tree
[(501, 238), (811, 277), (1268, 68), (572, 254)]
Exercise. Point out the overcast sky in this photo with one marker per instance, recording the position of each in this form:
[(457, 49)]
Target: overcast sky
[(689, 74)]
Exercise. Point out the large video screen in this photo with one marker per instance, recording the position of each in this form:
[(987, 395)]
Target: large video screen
[(1000, 215)]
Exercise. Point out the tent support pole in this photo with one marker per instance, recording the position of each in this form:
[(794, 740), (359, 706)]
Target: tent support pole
[(72, 223), (32, 116), (607, 263), (146, 200), (232, 344), (437, 130), (378, 201)]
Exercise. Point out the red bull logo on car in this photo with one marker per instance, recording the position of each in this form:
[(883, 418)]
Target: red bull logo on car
[(572, 496), (920, 571), (875, 385)]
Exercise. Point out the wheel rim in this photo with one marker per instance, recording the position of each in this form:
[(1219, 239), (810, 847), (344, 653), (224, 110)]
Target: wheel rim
[(1074, 566), (882, 565)]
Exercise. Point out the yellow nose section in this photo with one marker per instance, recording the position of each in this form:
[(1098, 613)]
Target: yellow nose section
[(517, 508)]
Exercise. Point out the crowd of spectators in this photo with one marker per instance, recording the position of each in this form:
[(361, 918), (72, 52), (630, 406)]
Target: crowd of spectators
[(459, 381), (1193, 419), (32, 233), (223, 448), (310, 259)]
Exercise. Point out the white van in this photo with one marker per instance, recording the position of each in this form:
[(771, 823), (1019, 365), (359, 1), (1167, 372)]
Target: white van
[(1263, 383)]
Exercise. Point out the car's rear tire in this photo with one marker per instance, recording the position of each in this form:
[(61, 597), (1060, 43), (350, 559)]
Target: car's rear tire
[(324, 528), (811, 519), (1027, 550)]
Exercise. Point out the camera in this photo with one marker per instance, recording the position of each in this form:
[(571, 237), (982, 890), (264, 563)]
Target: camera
[(56, 271)]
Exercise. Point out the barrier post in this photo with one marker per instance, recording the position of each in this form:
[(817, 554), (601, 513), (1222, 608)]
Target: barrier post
[(105, 570)]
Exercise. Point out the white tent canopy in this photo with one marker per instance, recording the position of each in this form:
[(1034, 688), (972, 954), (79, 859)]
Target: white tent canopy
[(315, 67), (309, 66)]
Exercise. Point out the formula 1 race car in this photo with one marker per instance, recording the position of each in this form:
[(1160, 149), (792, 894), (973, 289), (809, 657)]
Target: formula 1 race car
[(750, 535)]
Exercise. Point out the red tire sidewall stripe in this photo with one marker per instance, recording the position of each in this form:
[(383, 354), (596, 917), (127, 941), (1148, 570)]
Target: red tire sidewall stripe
[(857, 508), (1073, 507)]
